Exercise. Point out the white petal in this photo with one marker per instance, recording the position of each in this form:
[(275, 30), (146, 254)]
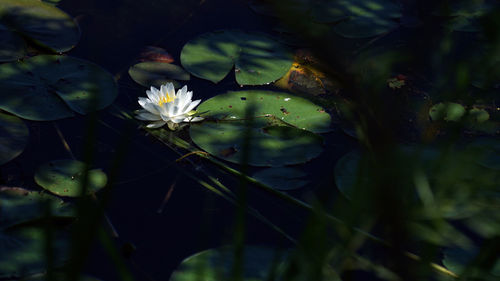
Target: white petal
[(163, 90), (189, 96), (143, 100), (181, 93), (169, 87), (153, 94), (186, 101), (168, 109), (156, 124), (191, 106), (148, 116), (178, 119), (151, 107), (193, 119)]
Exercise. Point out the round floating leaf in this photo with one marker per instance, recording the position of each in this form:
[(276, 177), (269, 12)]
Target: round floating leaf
[(277, 106), (257, 58), (41, 22), (52, 87), (11, 45), (52, 2), (335, 10), (13, 137), (23, 251), (358, 18), (448, 111), (282, 178), (478, 115), (268, 145), (278, 130), (217, 264), (362, 27), (65, 177), (156, 73), (18, 205)]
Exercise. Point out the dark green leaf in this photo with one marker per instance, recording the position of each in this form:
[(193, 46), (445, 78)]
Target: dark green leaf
[(41, 22), (257, 58), (217, 264), (13, 137), (157, 73), (65, 177), (52, 87)]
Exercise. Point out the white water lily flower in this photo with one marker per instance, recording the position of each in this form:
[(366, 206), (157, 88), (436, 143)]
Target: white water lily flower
[(164, 106)]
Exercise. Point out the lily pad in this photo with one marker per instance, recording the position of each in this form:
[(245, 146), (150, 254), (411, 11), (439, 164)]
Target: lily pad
[(257, 58), (157, 73), (448, 111), (282, 178), (41, 22), (268, 145), (358, 18), (361, 27), (12, 45), (54, 87), (280, 128), (278, 106), (52, 2), (13, 137), (18, 205), (65, 177), (335, 10), (217, 264), (22, 251), (478, 115)]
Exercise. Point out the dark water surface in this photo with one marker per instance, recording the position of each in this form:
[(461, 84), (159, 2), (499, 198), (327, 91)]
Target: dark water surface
[(113, 34)]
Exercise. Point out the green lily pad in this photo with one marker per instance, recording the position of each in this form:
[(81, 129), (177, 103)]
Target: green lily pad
[(280, 128), (12, 45), (217, 264), (22, 251), (335, 10), (268, 145), (18, 205), (54, 87), (282, 178), (41, 22), (478, 115), (277, 106), (13, 137), (363, 27), (65, 177), (157, 73), (52, 2), (358, 18), (257, 58), (447, 111)]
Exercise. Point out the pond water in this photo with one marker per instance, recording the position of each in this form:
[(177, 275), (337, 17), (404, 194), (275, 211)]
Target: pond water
[(159, 208), (113, 34)]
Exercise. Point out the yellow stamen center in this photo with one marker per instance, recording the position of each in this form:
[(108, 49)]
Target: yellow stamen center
[(166, 99)]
